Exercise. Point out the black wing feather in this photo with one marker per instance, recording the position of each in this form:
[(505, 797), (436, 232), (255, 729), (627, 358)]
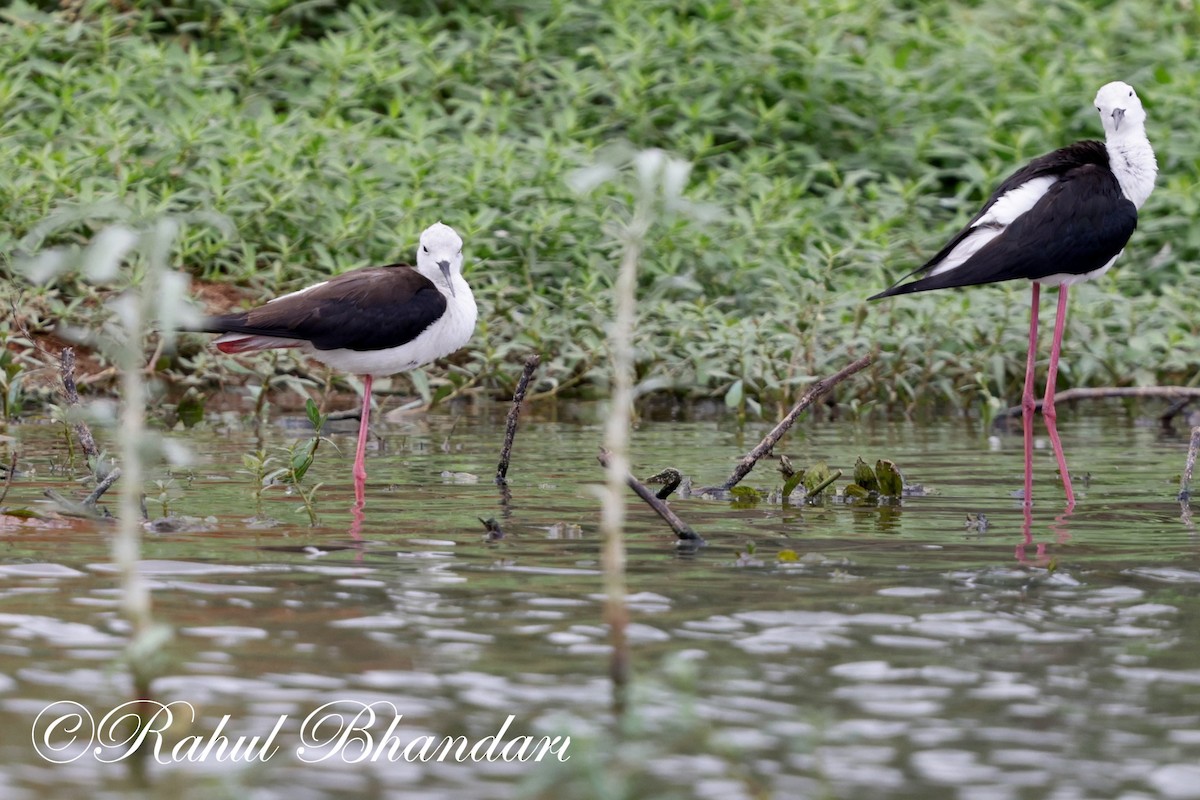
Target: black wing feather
[(365, 309), (1081, 223)]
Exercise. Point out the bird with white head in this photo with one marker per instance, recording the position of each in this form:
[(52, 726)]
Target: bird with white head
[(369, 322), (1063, 218)]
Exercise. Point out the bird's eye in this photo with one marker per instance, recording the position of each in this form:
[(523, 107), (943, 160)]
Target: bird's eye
[(1131, 92), (424, 249), (1097, 108)]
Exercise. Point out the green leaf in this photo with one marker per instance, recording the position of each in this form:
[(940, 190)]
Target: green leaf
[(745, 497), (864, 476), (190, 408), (442, 392), (891, 482), (791, 483), (733, 397), (815, 475), (21, 513), (314, 414), (420, 382), (302, 459)]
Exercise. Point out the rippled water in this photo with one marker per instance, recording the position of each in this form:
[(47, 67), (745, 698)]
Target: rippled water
[(901, 654)]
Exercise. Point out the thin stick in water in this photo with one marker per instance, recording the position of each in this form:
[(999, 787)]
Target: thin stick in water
[(1185, 483), (102, 487), (1100, 392), (814, 393), (8, 479), (510, 432), (681, 528)]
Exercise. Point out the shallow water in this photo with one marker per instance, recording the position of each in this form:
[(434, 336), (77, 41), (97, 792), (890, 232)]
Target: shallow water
[(901, 654)]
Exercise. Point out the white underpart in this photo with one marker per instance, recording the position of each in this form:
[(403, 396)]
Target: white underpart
[(1067, 279), (1130, 157), (999, 216), (1129, 153), (448, 333), (1132, 161)]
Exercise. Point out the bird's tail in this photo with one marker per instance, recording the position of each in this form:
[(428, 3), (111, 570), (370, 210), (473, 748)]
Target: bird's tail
[(247, 343)]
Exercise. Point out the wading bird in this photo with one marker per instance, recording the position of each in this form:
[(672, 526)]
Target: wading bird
[(1061, 219), (371, 321)]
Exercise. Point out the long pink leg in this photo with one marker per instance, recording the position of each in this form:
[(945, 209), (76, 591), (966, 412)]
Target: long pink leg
[(1027, 401), (1048, 412), (360, 467)]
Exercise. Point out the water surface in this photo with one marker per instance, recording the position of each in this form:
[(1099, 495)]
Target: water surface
[(825, 650)]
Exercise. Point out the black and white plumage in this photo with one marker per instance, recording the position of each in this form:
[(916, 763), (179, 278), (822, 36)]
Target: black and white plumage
[(1063, 218), (371, 321)]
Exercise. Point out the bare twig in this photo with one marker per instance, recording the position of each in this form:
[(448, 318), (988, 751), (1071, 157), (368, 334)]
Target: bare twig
[(681, 528), (825, 484), (1163, 392), (82, 432), (670, 477), (510, 432), (74, 508), (814, 393), (1174, 410), (1185, 483), (102, 487), (8, 479)]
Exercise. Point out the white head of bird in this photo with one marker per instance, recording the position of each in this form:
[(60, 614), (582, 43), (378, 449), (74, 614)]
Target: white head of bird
[(439, 256), (1121, 110)]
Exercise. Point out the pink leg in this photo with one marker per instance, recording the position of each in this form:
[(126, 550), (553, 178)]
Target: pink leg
[(1027, 401), (1048, 412), (360, 467)]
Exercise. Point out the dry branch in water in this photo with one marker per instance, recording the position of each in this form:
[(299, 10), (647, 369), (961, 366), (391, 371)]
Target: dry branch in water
[(1163, 392), (1185, 483), (71, 394), (510, 432), (8, 478), (681, 528), (814, 393), (102, 487)]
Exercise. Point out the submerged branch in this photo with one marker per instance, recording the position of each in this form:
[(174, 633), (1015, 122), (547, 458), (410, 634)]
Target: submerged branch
[(74, 508), (670, 477), (1162, 392), (1174, 410), (102, 487), (814, 393), (1185, 483), (8, 478), (510, 431), (681, 528)]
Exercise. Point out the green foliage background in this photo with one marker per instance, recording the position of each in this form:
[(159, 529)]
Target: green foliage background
[(842, 141)]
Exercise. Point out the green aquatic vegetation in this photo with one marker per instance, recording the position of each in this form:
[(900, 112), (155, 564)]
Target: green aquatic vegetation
[(841, 142), (13, 362), (289, 468), (883, 482)]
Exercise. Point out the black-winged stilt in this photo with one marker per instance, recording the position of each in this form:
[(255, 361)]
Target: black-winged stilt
[(1061, 219), (371, 321)]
